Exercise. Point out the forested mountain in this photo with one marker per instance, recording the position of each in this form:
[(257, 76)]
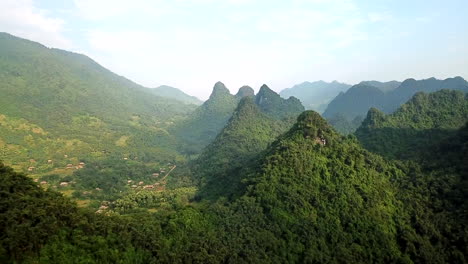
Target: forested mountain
[(174, 93), (313, 196), (249, 131), (57, 104), (275, 106), (202, 126), (361, 97), (315, 95), (424, 120)]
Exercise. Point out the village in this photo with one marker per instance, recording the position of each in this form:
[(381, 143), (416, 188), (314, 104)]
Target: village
[(66, 185)]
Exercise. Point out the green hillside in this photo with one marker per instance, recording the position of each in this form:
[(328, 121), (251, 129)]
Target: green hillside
[(202, 126), (64, 107)]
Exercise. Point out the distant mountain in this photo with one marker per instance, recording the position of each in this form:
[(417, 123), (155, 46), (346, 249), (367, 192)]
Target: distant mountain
[(383, 86), (361, 97), (174, 93), (355, 102), (315, 95), (427, 118), (56, 103)]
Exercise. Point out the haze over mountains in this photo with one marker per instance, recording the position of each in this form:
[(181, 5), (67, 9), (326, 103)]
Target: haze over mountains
[(315, 95), (361, 97), (174, 93), (120, 173)]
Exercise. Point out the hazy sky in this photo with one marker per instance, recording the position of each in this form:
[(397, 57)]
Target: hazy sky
[(191, 44)]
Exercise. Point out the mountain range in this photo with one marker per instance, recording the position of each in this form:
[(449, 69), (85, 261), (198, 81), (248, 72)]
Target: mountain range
[(117, 174), (361, 97), (204, 124), (315, 95)]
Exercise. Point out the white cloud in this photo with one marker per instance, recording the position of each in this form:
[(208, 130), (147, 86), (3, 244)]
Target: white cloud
[(23, 19)]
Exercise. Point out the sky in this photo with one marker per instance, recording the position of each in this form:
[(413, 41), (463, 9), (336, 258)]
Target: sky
[(191, 44)]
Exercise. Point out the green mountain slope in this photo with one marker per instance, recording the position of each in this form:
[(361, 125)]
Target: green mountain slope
[(255, 123), (315, 196), (248, 132), (276, 107), (174, 93), (421, 122), (315, 95), (55, 103), (202, 126)]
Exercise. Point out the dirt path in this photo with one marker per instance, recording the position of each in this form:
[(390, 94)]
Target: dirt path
[(167, 174)]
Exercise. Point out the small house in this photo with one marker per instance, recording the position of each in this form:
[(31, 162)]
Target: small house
[(134, 186), (49, 161), (141, 183), (64, 184), (43, 182), (155, 174), (31, 168)]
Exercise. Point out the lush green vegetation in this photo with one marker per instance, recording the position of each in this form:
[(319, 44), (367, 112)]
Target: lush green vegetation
[(312, 196), (61, 106), (422, 122), (220, 167), (342, 125)]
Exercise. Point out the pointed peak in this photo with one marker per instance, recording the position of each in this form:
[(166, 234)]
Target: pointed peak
[(312, 125), (219, 89), (265, 88), (245, 91)]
